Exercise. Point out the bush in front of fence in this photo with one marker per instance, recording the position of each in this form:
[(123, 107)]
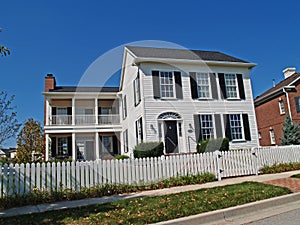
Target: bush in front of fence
[(210, 145), (279, 168), (148, 149), (37, 196), (121, 157)]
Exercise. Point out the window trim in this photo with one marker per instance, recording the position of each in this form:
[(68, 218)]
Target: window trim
[(139, 130), (281, 107), (173, 85), (209, 85), (137, 90), (125, 141), (272, 137), (241, 127), (213, 125), (236, 87)]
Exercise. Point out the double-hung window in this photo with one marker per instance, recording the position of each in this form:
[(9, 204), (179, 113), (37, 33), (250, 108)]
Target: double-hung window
[(236, 126), (125, 141), (124, 107), (207, 126), (281, 107), (167, 87), (272, 137), (139, 131), (231, 86), (203, 85), (137, 90), (62, 146)]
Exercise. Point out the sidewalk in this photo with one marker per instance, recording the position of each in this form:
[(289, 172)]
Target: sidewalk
[(267, 178)]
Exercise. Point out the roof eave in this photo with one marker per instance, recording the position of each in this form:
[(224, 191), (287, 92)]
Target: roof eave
[(261, 100), (188, 61)]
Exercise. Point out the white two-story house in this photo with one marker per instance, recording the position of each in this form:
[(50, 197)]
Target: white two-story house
[(182, 96), (175, 96)]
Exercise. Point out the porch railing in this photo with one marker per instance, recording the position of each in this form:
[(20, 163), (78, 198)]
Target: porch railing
[(109, 119), (85, 119)]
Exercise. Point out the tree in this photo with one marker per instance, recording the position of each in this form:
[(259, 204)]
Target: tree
[(291, 134), (9, 125), (4, 51), (30, 142)]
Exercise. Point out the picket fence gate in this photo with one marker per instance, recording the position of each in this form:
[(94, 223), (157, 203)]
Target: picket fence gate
[(23, 178)]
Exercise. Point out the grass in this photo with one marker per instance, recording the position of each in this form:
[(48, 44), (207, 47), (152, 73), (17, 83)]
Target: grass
[(155, 209), (40, 196)]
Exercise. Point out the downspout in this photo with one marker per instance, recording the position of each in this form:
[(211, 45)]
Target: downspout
[(288, 102)]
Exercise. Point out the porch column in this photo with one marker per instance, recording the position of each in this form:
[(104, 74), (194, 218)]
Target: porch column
[(97, 145), (73, 111), (73, 147), (96, 111), (47, 147)]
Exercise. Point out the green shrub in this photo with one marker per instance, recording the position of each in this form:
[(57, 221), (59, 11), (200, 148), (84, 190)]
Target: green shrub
[(121, 157), (148, 149), (210, 145), (279, 168)]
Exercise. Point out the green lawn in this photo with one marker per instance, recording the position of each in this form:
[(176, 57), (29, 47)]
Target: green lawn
[(296, 176), (155, 209)]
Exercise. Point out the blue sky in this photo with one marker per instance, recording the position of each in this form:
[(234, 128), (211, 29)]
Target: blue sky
[(65, 37)]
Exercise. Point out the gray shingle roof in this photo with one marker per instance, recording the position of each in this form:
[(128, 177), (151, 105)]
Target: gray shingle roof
[(146, 52), (84, 89)]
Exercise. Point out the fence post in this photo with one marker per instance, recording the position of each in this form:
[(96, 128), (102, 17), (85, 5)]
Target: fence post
[(219, 170), (255, 156)]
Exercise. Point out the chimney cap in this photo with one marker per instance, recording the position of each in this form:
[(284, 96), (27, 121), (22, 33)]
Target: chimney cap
[(287, 72), (49, 75)]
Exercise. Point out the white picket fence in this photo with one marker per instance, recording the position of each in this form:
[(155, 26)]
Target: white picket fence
[(21, 179)]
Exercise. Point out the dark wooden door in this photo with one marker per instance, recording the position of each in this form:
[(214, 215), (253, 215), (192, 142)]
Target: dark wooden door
[(171, 138)]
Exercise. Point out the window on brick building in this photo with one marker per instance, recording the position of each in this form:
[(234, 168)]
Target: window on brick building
[(272, 137), (281, 107), (297, 103)]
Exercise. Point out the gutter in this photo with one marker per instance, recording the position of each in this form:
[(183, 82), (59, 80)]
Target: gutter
[(259, 100), (288, 102)]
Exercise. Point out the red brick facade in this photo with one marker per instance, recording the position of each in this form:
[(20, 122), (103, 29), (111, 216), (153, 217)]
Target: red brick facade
[(268, 113)]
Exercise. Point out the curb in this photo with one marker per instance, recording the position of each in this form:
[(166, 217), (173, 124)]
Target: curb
[(223, 215)]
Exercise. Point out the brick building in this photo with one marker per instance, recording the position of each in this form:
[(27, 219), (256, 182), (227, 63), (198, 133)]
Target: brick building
[(273, 105)]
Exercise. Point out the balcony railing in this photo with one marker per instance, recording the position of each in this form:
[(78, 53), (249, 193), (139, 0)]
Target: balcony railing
[(85, 119), (61, 120), (109, 119)]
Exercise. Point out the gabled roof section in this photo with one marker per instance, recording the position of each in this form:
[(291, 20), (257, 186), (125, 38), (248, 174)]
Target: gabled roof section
[(84, 89), (184, 54), (285, 83)]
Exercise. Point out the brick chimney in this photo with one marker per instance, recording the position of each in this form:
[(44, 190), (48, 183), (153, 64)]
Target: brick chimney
[(49, 82), (288, 72)]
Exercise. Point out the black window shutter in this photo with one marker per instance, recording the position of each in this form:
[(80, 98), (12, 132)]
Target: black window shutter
[(142, 135), (222, 85), (218, 126), (297, 103), (115, 145), (53, 111), (241, 86), (53, 146), (134, 93), (197, 127), (227, 126), (193, 82), (156, 84), (246, 127), (100, 145), (69, 111), (69, 143), (136, 132), (213, 83), (178, 85)]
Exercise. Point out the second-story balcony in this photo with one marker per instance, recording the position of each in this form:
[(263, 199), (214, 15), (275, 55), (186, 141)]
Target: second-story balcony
[(108, 119)]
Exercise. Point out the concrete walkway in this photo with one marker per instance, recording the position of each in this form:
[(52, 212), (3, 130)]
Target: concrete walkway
[(84, 202)]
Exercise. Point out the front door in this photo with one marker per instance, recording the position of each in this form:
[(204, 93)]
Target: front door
[(171, 138)]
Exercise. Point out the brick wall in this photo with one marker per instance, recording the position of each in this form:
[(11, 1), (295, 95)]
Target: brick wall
[(49, 84), (268, 116)]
